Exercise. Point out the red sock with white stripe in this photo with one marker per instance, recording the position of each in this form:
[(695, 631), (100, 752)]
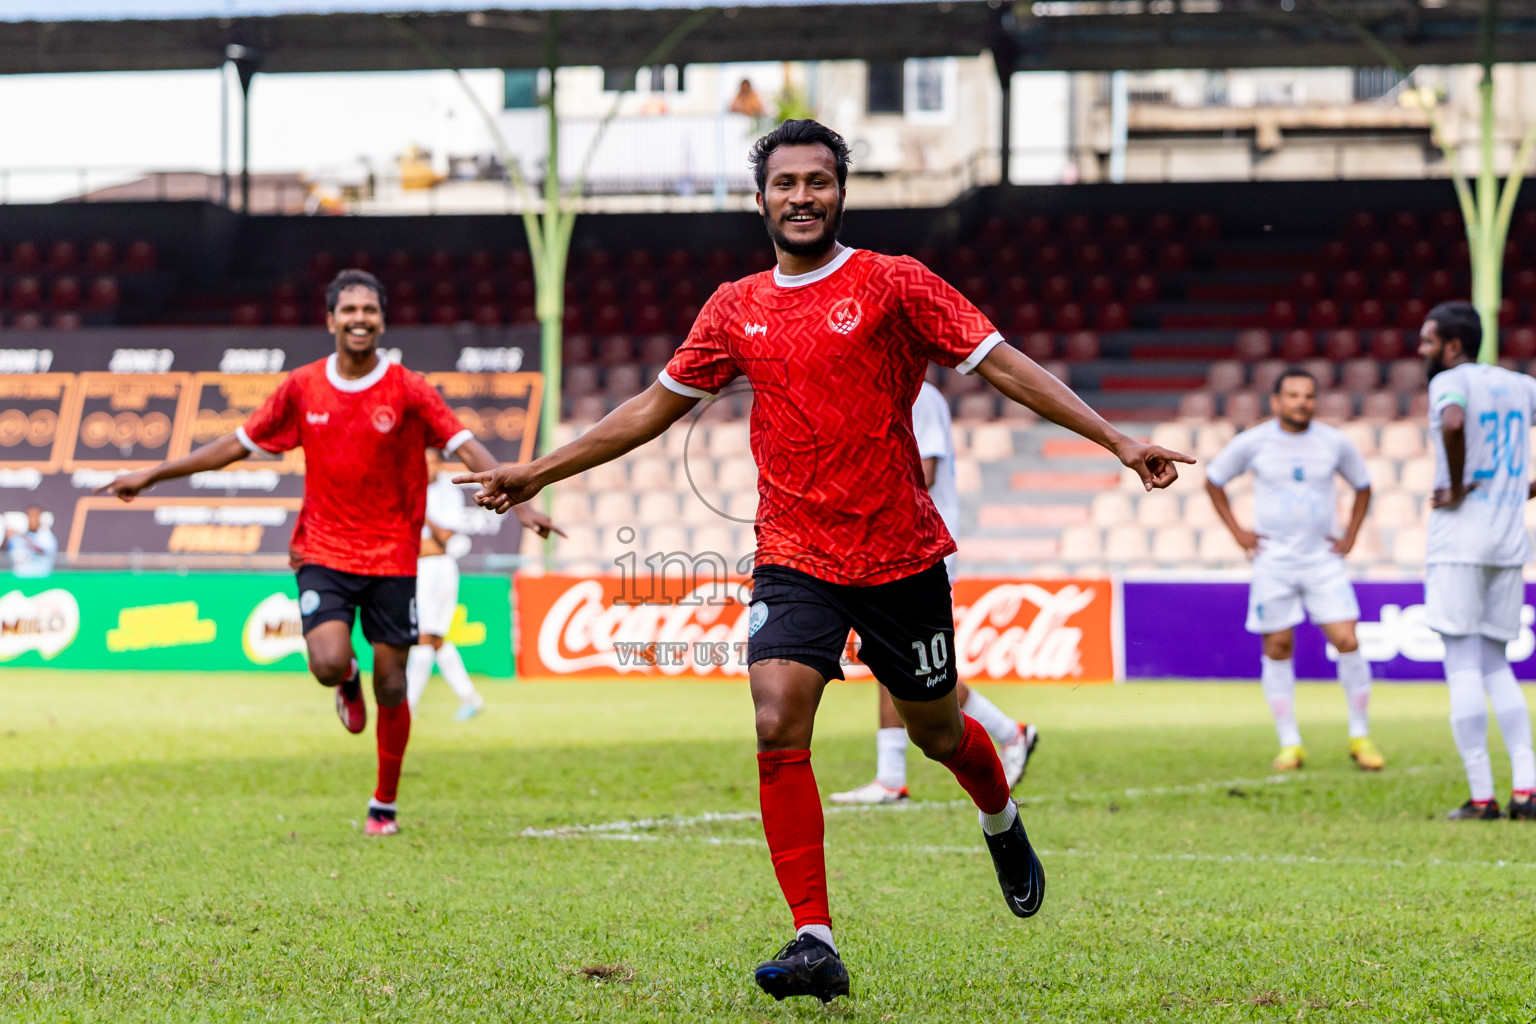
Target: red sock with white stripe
[(980, 773), (796, 833), (393, 731)]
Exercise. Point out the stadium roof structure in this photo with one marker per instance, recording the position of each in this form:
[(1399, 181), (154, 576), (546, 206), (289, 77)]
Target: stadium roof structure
[(383, 35)]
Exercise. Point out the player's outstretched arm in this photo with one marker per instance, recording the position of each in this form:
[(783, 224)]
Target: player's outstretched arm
[(213, 455), (641, 419), (1021, 379), (1246, 539)]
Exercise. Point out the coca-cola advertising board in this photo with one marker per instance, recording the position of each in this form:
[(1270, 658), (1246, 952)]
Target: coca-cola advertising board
[(1194, 630), (1006, 630)]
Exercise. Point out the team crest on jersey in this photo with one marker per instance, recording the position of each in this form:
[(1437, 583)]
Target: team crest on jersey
[(383, 419), (845, 316)]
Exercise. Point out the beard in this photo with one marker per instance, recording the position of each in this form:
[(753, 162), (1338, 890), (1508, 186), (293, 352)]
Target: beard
[(816, 247), (1433, 366)]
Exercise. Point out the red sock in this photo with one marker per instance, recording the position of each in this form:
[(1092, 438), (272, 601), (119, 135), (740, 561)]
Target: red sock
[(793, 825), (978, 769), (394, 731)]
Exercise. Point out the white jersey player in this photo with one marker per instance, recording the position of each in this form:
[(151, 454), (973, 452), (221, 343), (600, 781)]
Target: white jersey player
[(437, 594), (1298, 558), (1479, 422), (1015, 740)]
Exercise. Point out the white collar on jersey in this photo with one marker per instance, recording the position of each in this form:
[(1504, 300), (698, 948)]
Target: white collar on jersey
[(341, 383), (819, 274)]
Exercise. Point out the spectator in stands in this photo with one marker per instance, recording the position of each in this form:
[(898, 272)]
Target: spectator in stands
[(33, 549), (747, 101)]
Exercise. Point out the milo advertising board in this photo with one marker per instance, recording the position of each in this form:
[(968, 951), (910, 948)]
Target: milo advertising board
[(205, 622)]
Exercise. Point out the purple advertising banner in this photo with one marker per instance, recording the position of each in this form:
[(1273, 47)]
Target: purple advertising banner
[(1194, 630)]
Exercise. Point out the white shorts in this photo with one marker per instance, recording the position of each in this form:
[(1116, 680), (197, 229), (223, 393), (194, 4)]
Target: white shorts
[(437, 593), (1278, 594), (1474, 600)]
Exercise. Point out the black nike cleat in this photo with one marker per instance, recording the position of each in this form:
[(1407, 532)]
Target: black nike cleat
[(805, 967), (1487, 810), (1522, 810), (1018, 870)]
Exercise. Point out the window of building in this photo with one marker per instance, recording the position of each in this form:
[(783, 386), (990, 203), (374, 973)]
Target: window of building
[(885, 91), (930, 87), (520, 89)]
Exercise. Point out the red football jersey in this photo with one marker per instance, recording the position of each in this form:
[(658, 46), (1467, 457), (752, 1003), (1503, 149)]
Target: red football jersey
[(365, 440), (835, 359)]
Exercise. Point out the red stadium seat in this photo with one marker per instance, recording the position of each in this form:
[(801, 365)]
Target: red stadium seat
[(1116, 228), (404, 291), (1039, 345), (1252, 345), (1160, 227), (1523, 284), (246, 314), (1404, 226), (964, 261), (439, 262), (487, 314), (1142, 289), (650, 319), (397, 264), (1173, 258), (1335, 254), (658, 348), (1048, 260), (103, 294), (66, 321), (615, 349), (1323, 315), (603, 292), (1099, 289), (1282, 315), (287, 314), (1015, 289), (1089, 259), (1297, 345), (445, 313), (362, 259), (520, 263), (598, 263), (1421, 255), (1341, 345), (444, 291), (101, 256), (1349, 286), (480, 262), (677, 261), (1447, 225), (1359, 376), (579, 380), (682, 322), (1035, 230), (30, 320), (25, 256), (994, 231), (573, 319), (1070, 317), (974, 287), (406, 314), (61, 256), (1387, 345), (26, 293), (608, 319), (1519, 343), (1378, 255), (1007, 260), (1361, 226), (1410, 314), (1077, 228), (1204, 227), (643, 292), (140, 257), (1394, 286), (1132, 259), (576, 349), (321, 266), (720, 263), (482, 290), (1368, 315), (1027, 317), (1056, 290), (1113, 316), (685, 293), (1509, 313), (1081, 347), (638, 261), (65, 293), (1309, 286)]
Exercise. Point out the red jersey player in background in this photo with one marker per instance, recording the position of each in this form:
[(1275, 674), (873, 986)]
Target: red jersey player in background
[(364, 423), (835, 342)]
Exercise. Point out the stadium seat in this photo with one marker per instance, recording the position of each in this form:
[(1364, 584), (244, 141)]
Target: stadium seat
[(614, 507), (445, 314), (1244, 409), (992, 442), (1027, 318), (1406, 375), (1334, 254), (405, 314), (579, 542), (1057, 290), (1125, 544), (737, 474), (1252, 345), (287, 314), (1204, 227), (1383, 471), (1199, 512), (726, 440), (1322, 371), (1341, 345), (1197, 406), (487, 314), (1418, 475), (1387, 345), (1173, 435), (1520, 344), (652, 474), (1112, 508), (1368, 314), (1225, 375), (571, 507), (977, 407), (1420, 256), (246, 314), (1038, 345), (482, 290), (1210, 439), (29, 320), (1160, 227), (103, 294), (1142, 289), (1048, 260), (1089, 259), (101, 256), (1173, 258), (1362, 436), (1282, 315), (1403, 439), (1099, 289), (61, 257), (1112, 316), (1377, 255), (1173, 546), (1081, 346), (615, 349), (1380, 407), (1131, 260), (655, 507), (1334, 407), (26, 293), (1394, 509), (1155, 511), (1324, 315), (1081, 544), (68, 320), (1308, 286), (1349, 286), (1069, 319), (1408, 546), (1297, 345), (1394, 286), (623, 381), (588, 408)]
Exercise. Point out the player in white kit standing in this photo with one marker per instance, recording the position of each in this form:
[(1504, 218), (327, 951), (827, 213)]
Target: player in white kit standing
[(1479, 422), (437, 594), (1015, 740), (1298, 562)]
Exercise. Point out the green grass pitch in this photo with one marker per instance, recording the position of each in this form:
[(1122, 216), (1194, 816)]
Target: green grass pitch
[(188, 848)]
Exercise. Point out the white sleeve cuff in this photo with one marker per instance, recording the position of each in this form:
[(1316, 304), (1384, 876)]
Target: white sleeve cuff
[(979, 353), (457, 440), (250, 446), (686, 390)]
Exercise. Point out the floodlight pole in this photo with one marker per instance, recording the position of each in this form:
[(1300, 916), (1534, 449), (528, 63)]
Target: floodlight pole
[(1005, 57), (246, 61)]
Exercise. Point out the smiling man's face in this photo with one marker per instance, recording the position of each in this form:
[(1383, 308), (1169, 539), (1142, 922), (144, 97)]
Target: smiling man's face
[(801, 201), (357, 321)]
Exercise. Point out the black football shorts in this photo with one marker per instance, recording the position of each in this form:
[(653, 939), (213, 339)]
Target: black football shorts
[(906, 627), (387, 603)]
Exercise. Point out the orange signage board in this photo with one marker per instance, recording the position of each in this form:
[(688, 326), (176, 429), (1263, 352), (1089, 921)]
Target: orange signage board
[(1006, 630)]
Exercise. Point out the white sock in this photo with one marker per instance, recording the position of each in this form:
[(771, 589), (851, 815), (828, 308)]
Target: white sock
[(418, 672), (379, 805), (1002, 821), (1469, 712), (999, 726), (1278, 678), (1355, 678), (1509, 707), (451, 665), (891, 757), (817, 931)]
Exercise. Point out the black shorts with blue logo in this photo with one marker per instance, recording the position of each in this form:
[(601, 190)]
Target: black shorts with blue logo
[(387, 603), (906, 627)]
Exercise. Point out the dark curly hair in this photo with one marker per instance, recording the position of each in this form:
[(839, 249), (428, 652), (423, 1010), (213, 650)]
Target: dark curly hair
[(352, 279), (799, 133)]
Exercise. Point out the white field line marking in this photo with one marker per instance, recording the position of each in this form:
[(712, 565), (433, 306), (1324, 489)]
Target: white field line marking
[(629, 827)]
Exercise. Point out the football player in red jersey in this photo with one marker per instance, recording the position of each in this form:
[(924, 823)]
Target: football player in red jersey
[(835, 342), (364, 423)]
